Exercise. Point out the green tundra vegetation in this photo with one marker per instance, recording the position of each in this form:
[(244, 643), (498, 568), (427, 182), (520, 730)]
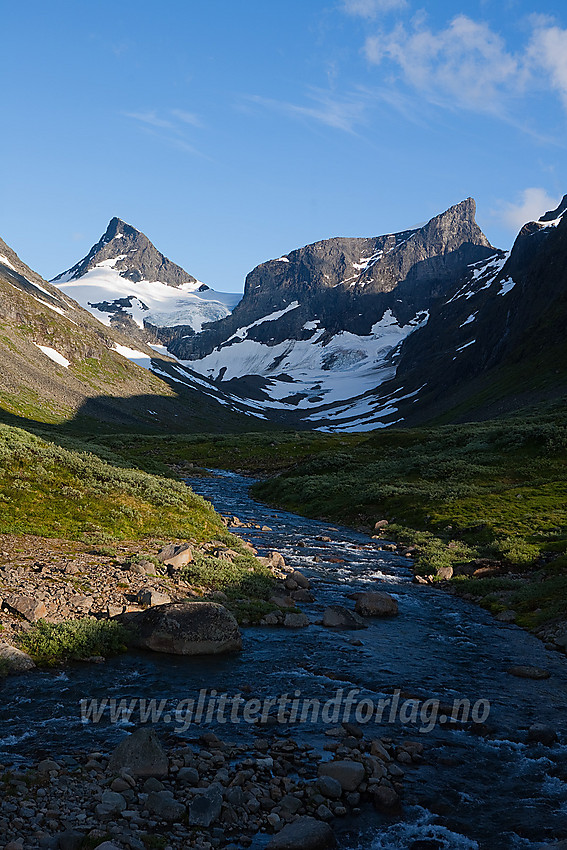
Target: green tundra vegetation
[(72, 640), (492, 490)]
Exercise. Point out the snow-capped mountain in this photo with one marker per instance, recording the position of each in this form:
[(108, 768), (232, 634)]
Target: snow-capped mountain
[(321, 327), (342, 335), (126, 282)]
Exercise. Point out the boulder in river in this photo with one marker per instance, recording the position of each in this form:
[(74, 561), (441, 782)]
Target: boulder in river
[(339, 617), (384, 798), (306, 833), (540, 733), (525, 671), (348, 773), (376, 604), (185, 628), (296, 620)]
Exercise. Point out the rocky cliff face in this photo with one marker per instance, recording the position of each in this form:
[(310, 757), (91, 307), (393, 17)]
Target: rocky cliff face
[(498, 341), (319, 328), (347, 284)]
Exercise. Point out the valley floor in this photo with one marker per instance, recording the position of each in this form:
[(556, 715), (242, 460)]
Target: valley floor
[(481, 506)]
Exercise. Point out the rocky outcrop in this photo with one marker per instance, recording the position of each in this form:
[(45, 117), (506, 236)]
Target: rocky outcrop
[(185, 628)]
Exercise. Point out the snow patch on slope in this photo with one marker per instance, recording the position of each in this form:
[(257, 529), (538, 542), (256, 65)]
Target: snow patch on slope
[(507, 286), (135, 356), (54, 355), (242, 333), (306, 374), (150, 301), (482, 275)]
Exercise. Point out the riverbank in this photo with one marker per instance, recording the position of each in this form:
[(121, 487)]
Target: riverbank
[(205, 793)]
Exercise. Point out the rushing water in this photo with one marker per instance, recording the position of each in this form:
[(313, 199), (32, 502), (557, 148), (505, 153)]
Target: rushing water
[(474, 791)]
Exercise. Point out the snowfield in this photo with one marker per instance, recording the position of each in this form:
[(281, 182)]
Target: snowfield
[(306, 374), (150, 301)]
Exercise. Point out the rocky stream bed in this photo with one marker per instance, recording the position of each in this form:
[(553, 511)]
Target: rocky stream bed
[(286, 775)]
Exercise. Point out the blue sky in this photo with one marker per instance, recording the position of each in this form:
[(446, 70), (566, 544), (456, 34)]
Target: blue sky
[(231, 133)]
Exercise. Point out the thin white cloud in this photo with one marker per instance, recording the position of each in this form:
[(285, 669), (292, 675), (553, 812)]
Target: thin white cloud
[(531, 204), (344, 112), (150, 118), (187, 117), (468, 65), (170, 127), (548, 51), (371, 8)]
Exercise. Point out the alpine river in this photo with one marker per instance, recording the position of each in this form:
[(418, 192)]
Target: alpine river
[(482, 789)]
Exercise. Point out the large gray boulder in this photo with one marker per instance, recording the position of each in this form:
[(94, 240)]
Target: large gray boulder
[(348, 773), (339, 617), (112, 803), (376, 604), (305, 833), (206, 807), (185, 628), (164, 806), (140, 754)]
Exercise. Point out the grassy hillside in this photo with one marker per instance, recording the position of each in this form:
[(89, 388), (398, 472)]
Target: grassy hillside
[(89, 381), (86, 503), (56, 492)]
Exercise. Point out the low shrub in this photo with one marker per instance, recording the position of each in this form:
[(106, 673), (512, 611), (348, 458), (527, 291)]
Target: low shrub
[(72, 640)]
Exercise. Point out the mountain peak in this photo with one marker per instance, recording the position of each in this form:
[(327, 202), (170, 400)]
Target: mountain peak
[(132, 255), (553, 215), (119, 227)]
